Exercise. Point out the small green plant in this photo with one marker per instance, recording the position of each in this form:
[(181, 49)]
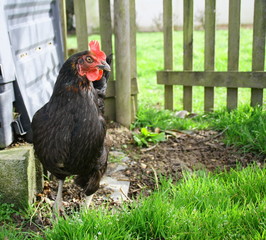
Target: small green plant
[(115, 159), (145, 137), (6, 212)]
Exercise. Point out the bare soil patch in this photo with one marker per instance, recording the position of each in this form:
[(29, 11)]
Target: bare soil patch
[(187, 150)]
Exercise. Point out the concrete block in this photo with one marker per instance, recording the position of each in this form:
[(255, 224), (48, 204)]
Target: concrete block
[(20, 176)]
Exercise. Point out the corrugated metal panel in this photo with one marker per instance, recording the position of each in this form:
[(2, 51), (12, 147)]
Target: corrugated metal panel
[(7, 76), (7, 68), (6, 114), (34, 32), (31, 49)]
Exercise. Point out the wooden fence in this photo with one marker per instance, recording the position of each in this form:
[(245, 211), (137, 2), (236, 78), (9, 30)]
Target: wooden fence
[(232, 79), (121, 96)]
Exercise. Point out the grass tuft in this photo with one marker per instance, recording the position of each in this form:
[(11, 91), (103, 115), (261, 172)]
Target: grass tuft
[(246, 127), (228, 205)]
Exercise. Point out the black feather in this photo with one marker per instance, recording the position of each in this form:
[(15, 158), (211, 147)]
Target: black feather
[(101, 85), (69, 131)]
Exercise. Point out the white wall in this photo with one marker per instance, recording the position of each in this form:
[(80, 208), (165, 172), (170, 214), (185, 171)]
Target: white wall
[(149, 13)]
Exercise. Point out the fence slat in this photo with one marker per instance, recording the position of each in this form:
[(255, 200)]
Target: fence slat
[(81, 24), (213, 79), (188, 51), (168, 50), (209, 58), (106, 28), (62, 6), (106, 31), (122, 54), (133, 57), (210, 6), (233, 48), (258, 51), (111, 91), (133, 40)]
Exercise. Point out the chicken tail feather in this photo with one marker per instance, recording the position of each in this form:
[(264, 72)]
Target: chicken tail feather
[(91, 182)]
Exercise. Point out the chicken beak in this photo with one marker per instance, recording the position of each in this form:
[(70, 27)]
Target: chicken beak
[(105, 66)]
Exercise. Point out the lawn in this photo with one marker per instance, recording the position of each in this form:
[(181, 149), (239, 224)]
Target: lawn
[(224, 205), (201, 206), (148, 64), (150, 60)]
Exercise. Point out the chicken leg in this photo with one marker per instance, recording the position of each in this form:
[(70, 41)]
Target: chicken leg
[(58, 204), (87, 202)]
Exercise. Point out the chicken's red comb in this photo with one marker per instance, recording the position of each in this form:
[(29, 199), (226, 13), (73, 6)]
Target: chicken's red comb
[(94, 47)]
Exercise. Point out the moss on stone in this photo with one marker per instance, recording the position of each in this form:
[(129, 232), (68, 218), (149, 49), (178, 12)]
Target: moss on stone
[(20, 176)]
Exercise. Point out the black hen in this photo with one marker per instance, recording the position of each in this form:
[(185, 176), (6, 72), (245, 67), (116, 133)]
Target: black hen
[(69, 131)]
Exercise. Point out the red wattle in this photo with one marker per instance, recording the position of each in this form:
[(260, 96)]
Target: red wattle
[(94, 75)]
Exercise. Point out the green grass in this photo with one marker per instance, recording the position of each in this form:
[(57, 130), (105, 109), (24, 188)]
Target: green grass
[(166, 120), (244, 127), (8, 230), (225, 205), (150, 60), (202, 205)]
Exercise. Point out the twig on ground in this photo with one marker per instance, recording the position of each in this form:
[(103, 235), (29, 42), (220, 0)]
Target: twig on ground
[(122, 191), (213, 137), (149, 149), (36, 209), (155, 176)]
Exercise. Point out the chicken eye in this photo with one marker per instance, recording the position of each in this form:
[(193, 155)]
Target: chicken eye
[(89, 59)]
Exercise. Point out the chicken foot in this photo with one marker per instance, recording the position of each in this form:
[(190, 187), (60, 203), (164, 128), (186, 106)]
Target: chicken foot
[(87, 202), (58, 204)]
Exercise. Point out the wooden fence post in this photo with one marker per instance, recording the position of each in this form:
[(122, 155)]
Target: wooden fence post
[(258, 51), (106, 42), (122, 56), (209, 50), (168, 50), (106, 28), (188, 51), (81, 24), (233, 48), (133, 57), (62, 6)]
